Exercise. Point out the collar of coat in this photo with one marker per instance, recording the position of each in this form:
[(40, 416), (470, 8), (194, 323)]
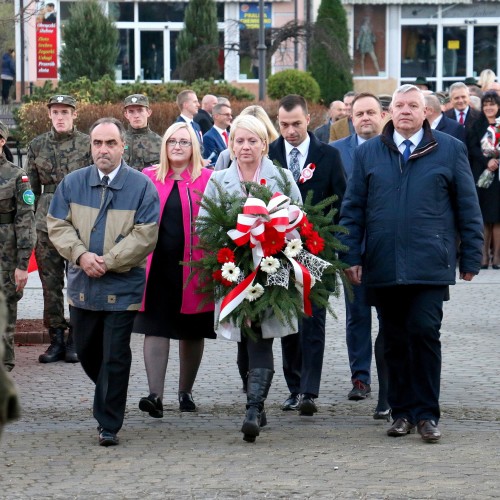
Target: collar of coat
[(427, 144)]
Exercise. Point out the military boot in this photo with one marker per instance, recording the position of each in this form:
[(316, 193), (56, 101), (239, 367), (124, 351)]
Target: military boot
[(71, 356), (259, 381), (56, 349)]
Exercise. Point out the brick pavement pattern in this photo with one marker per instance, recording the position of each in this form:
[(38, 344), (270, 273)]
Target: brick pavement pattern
[(341, 452)]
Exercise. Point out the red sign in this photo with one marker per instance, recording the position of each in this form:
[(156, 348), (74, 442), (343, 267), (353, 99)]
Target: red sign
[(46, 50)]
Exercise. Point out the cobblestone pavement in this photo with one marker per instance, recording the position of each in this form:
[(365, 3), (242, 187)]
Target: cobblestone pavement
[(341, 452)]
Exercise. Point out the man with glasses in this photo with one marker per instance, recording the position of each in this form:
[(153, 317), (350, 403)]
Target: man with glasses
[(216, 139)]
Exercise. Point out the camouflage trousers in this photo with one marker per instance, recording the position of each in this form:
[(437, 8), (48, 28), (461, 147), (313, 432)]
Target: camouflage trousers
[(12, 297), (51, 268)]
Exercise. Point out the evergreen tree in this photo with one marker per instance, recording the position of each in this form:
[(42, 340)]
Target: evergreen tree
[(90, 43), (330, 64), (198, 43)]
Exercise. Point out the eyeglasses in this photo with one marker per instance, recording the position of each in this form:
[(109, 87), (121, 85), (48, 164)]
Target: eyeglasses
[(225, 114), (183, 143)]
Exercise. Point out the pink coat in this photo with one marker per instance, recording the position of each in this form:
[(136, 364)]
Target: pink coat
[(190, 193)]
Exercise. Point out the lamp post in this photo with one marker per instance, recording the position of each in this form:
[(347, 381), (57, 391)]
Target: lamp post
[(261, 49)]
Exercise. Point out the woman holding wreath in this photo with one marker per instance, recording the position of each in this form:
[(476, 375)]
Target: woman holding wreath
[(249, 145), (171, 310)]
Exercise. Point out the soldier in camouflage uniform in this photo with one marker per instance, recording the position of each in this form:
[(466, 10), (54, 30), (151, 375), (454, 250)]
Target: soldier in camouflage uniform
[(17, 238), (142, 145), (9, 404), (51, 156)]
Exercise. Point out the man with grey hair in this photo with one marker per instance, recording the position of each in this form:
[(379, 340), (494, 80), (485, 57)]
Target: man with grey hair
[(437, 120), (462, 112), (411, 197), (103, 220)]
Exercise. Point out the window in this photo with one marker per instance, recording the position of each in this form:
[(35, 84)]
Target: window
[(485, 48), (121, 11), (418, 51), (125, 63), (162, 11)]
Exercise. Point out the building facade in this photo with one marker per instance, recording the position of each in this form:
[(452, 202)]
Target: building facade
[(392, 41)]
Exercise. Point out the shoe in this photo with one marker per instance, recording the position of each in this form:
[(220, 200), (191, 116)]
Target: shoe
[(107, 438), (485, 266), (186, 402), (429, 431), (70, 355), (359, 390), (292, 403), (307, 406), (56, 350), (383, 415), (495, 266), (401, 427), (152, 405)]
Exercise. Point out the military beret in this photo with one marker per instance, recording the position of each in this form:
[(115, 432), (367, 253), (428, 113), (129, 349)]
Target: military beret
[(385, 100), (66, 100), (470, 80), (421, 80), (442, 96), (136, 100), (4, 130)]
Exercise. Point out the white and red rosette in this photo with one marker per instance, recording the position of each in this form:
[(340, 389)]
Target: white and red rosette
[(307, 173)]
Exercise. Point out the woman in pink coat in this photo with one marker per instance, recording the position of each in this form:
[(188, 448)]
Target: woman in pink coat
[(170, 310)]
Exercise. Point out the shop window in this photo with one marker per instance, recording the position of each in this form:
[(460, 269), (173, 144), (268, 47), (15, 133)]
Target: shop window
[(418, 51), (125, 63), (454, 51), (152, 55), (485, 48), (162, 11), (249, 57), (369, 40), (121, 11), (65, 10)]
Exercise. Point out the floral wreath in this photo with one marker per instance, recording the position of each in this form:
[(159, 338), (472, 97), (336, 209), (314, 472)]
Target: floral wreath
[(266, 254)]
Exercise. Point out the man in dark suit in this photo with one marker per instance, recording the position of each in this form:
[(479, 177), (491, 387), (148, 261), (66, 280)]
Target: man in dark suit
[(296, 149), (188, 106), (368, 121), (439, 121), (216, 139), (204, 117), (462, 112)]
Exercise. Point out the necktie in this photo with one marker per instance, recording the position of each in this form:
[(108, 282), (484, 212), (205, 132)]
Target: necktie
[(294, 163), (105, 181), (461, 119), (224, 134), (407, 151)]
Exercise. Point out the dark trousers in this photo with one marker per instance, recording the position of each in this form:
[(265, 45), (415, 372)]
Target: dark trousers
[(359, 334), (102, 341), (410, 318), (303, 354)]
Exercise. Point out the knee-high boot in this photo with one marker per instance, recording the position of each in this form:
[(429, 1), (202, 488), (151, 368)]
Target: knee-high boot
[(259, 382)]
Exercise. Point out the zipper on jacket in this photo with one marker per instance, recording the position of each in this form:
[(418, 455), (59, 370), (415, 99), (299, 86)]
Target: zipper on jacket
[(190, 227)]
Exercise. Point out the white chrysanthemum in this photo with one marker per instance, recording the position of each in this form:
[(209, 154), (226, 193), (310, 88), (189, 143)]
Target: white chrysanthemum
[(293, 248), (270, 265), (254, 292), (230, 271)]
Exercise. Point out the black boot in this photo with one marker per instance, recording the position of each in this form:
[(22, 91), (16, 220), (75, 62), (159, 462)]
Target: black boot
[(259, 381), (56, 350), (70, 355)]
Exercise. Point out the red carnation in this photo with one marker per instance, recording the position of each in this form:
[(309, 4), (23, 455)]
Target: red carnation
[(217, 276), (315, 243), (225, 255), (274, 241)]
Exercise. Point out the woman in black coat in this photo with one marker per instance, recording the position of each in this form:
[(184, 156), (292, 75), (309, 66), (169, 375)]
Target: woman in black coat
[(489, 198)]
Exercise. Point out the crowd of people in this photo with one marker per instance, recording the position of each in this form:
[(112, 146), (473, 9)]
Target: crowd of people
[(115, 213)]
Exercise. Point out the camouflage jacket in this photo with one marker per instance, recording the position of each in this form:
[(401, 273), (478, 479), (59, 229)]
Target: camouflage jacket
[(142, 148), (51, 156), (17, 238)]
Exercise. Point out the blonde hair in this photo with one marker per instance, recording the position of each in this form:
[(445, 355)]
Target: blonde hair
[(486, 77), (254, 126), (196, 159), (260, 113)]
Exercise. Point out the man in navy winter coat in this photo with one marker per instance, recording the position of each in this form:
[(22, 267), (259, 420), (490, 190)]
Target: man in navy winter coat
[(411, 193)]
